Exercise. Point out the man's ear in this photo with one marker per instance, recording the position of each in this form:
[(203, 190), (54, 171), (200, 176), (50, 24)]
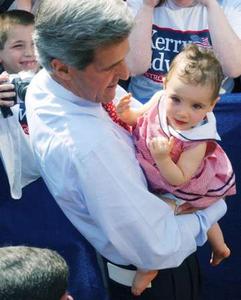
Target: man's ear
[(60, 69), (66, 296)]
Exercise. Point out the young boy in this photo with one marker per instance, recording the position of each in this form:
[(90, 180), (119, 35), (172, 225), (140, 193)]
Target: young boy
[(16, 45), (16, 55), (16, 52)]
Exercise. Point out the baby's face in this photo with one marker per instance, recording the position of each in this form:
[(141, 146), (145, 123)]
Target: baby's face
[(187, 104), (18, 53)]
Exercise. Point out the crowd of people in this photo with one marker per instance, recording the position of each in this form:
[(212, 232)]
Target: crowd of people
[(120, 190)]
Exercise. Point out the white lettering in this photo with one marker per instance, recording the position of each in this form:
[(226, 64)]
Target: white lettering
[(22, 114), (158, 63)]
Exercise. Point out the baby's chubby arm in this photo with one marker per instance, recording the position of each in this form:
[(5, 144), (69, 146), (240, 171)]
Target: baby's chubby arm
[(182, 171)]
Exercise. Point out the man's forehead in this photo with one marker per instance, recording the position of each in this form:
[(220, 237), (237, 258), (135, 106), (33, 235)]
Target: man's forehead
[(111, 54)]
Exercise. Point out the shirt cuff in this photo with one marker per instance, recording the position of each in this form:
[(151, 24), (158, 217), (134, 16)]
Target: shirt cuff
[(200, 222), (207, 217)]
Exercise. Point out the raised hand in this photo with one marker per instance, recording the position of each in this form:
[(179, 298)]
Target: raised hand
[(125, 112), (160, 147), (123, 105)]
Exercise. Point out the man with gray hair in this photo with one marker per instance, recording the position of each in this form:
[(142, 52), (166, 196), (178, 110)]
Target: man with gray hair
[(88, 161)]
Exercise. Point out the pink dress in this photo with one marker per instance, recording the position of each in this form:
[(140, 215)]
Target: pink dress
[(213, 179)]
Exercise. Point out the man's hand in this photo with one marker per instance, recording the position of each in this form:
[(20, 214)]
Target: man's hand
[(186, 208), (6, 90)]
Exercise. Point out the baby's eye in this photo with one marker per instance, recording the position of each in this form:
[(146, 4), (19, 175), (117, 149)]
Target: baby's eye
[(175, 99), (197, 106)]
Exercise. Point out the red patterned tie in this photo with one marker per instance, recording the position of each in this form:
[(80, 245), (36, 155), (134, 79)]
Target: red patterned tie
[(111, 110)]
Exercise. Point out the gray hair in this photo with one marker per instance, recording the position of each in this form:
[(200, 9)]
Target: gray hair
[(72, 30)]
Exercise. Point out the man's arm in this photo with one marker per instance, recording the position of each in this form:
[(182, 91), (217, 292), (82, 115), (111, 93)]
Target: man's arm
[(140, 227)]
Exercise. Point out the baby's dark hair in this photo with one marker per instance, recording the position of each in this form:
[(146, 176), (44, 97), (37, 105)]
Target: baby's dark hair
[(199, 66), (11, 18)]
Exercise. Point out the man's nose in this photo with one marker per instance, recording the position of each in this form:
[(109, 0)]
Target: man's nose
[(123, 71)]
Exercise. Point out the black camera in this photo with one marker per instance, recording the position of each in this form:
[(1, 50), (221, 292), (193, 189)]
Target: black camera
[(20, 88)]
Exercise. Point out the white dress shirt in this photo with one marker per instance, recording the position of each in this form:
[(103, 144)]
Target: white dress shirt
[(16, 154), (89, 165)]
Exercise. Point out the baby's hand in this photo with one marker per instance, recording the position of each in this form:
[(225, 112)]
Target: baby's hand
[(160, 147), (124, 105), (6, 90), (125, 112)]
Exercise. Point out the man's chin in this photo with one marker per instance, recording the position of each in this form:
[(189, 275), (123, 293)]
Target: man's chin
[(109, 96)]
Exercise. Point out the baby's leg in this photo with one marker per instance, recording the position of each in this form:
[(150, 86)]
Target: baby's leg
[(141, 281), (219, 248)]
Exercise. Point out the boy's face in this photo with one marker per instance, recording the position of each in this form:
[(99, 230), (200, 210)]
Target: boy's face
[(18, 53)]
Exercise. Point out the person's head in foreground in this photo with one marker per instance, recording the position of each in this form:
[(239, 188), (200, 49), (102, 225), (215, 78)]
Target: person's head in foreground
[(29, 273), (192, 86), (83, 45)]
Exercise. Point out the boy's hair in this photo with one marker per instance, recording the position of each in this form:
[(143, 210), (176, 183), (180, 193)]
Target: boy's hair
[(32, 273), (199, 66), (11, 18)]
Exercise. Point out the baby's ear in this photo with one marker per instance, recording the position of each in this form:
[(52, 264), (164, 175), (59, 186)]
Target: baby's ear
[(164, 81)]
